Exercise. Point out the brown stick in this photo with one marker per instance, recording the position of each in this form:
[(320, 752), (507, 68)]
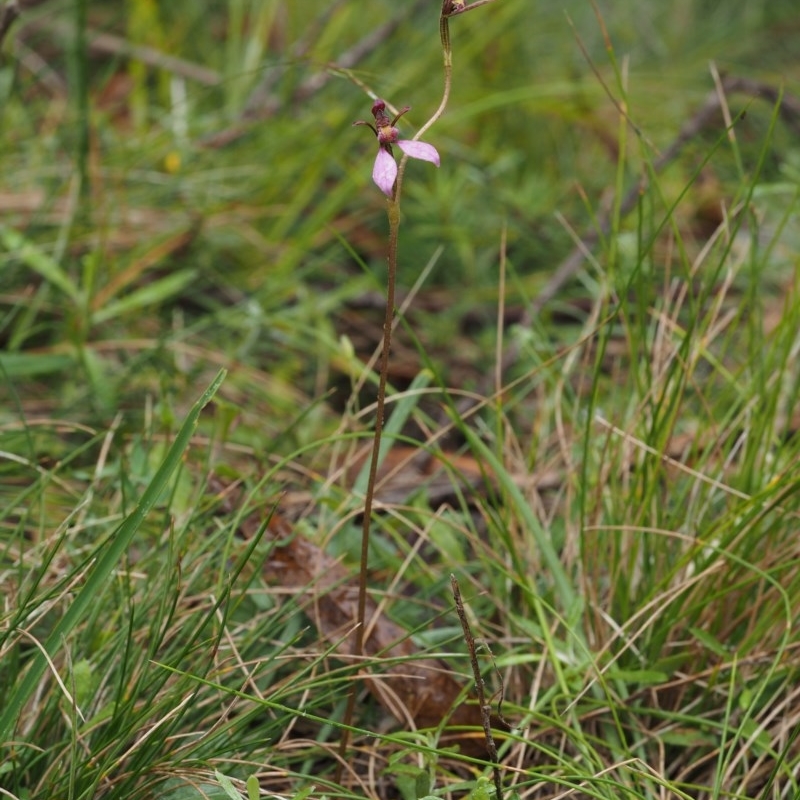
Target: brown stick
[(789, 110), (480, 688), (107, 43), (8, 14), (263, 103)]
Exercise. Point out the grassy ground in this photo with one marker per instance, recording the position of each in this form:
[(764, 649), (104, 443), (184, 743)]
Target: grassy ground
[(611, 475)]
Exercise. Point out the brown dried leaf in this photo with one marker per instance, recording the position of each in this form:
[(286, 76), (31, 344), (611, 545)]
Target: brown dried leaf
[(419, 692)]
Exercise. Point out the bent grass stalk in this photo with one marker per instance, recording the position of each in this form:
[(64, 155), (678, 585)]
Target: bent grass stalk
[(480, 688)]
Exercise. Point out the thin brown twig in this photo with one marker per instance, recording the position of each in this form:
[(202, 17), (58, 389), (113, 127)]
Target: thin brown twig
[(369, 497), (8, 14), (789, 111), (480, 688), (263, 103), (109, 44)]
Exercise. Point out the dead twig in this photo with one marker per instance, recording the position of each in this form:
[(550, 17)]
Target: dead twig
[(109, 44), (789, 111), (480, 689), (8, 14), (263, 103)]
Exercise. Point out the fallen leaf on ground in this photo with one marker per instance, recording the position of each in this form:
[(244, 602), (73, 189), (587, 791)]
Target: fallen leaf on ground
[(418, 691)]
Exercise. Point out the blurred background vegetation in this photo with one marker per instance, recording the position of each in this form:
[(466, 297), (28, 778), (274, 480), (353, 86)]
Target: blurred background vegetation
[(226, 199), (181, 189)]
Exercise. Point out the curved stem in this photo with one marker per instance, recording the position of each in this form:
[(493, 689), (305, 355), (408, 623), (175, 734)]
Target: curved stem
[(447, 53)]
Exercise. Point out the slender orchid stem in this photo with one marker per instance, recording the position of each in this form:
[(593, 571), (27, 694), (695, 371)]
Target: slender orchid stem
[(388, 322), (449, 8)]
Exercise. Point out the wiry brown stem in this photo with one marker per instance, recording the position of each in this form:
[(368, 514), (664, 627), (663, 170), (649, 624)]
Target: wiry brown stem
[(380, 408), (8, 14), (480, 688), (449, 8)]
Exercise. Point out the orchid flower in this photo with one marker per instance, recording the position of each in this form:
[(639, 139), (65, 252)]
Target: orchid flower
[(384, 172)]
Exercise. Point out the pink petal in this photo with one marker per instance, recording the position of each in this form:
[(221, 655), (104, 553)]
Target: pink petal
[(384, 172), (427, 152)]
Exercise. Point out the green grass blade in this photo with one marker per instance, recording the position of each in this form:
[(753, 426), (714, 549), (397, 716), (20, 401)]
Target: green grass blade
[(34, 257), (151, 294), (394, 425), (105, 564), (562, 582)]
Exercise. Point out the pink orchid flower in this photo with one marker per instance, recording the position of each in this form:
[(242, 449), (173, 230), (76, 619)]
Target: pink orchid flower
[(384, 172)]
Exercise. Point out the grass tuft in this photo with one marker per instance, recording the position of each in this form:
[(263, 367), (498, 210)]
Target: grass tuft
[(600, 443)]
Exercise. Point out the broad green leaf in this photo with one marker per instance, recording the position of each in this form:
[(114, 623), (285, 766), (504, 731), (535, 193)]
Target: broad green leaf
[(253, 788), (227, 785), (34, 257), (149, 295), (29, 365)]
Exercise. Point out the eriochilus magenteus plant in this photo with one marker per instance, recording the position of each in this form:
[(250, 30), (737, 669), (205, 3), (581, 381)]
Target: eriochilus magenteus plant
[(388, 175)]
